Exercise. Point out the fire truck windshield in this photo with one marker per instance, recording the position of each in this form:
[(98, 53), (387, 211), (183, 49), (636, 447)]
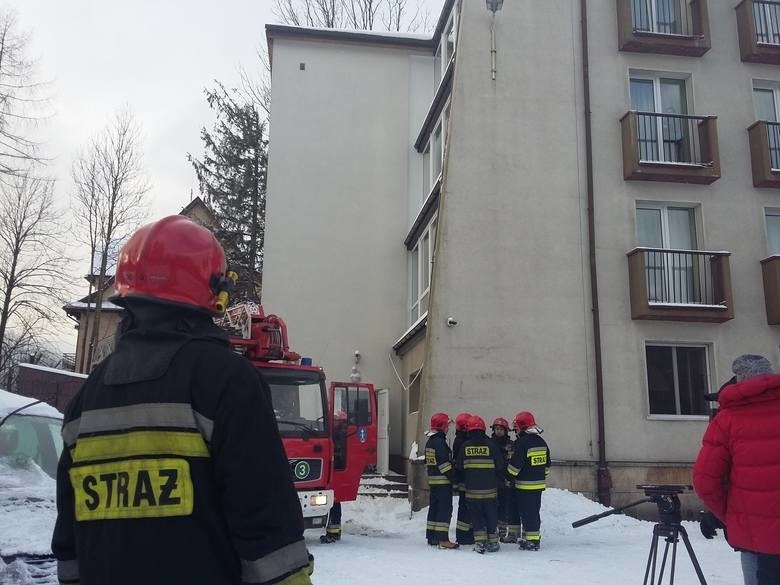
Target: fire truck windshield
[(298, 399)]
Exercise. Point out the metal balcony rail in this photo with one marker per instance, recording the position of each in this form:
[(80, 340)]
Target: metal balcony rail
[(766, 17), (773, 140), (681, 277), (664, 17), (670, 138)]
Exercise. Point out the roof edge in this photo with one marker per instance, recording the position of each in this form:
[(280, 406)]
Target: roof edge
[(365, 37)]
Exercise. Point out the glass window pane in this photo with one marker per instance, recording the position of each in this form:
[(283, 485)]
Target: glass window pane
[(648, 228), (640, 15), (450, 35), (414, 272), (642, 96), (773, 232), (673, 100), (436, 152), (427, 171), (682, 228), (660, 379), (765, 104), (437, 68), (425, 261), (692, 379)]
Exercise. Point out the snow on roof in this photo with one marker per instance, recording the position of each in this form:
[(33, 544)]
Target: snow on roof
[(82, 305), (55, 370), (376, 33), (10, 402)]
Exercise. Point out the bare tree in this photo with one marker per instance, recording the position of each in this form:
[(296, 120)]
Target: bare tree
[(20, 99), (33, 265), (110, 199), (389, 15)]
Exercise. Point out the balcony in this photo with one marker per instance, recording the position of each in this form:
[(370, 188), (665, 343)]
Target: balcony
[(680, 285), (670, 147), (764, 138), (758, 26), (770, 270), (669, 27)]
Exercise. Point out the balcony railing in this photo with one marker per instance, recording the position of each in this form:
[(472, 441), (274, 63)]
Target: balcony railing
[(758, 25), (672, 27), (770, 271), (680, 285), (670, 147), (764, 138)]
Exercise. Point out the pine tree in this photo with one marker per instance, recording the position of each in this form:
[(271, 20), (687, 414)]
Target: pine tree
[(232, 180)]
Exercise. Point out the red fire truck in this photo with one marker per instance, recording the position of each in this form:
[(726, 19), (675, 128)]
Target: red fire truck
[(329, 431)]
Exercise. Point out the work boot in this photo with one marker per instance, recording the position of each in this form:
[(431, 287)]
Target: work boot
[(492, 547), (480, 548), (531, 545), (447, 544), (329, 538), (508, 539), (521, 543)]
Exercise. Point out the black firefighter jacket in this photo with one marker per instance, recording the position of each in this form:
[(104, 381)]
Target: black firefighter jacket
[(438, 460), (530, 464), (175, 473), (481, 463)]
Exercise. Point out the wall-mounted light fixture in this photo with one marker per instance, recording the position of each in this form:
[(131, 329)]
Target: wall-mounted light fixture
[(494, 5)]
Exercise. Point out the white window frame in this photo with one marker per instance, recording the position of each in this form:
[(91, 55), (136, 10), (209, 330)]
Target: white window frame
[(774, 212), (443, 55), (767, 86), (664, 209), (431, 176), (424, 270), (708, 385)]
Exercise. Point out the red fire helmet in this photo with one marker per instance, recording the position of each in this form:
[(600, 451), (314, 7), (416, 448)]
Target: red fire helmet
[(500, 422), (440, 422), (461, 420), (476, 423), (524, 420), (172, 260)]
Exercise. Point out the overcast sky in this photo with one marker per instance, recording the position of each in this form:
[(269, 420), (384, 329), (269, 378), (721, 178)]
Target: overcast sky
[(155, 56)]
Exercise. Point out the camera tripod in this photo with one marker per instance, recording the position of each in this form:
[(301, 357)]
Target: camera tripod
[(671, 533), (665, 497)]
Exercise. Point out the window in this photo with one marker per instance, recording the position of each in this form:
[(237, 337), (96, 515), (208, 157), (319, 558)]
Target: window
[(773, 231), (677, 379), (420, 262), (660, 16), (414, 392), (674, 272), (445, 50), (666, 133), (766, 99), (767, 21), (433, 155)]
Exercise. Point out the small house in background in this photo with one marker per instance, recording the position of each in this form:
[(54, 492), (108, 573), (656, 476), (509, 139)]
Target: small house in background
[(53, 386)]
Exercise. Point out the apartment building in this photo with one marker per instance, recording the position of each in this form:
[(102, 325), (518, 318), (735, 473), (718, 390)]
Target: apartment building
[(569, 207)]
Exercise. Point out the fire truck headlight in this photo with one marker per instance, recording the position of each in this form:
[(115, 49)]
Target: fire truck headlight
[(319, 500)]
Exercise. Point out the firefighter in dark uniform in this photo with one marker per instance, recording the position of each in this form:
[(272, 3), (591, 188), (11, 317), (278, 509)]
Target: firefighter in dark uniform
[(482, 465), (333, 528), (463, 531), (441, 475), (508, 527), (529, 468), (174, 470)]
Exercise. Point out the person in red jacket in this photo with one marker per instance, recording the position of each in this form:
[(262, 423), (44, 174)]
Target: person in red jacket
[(737, 472)]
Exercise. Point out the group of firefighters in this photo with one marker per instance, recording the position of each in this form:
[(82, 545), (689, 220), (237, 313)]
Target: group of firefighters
[(499, 482)]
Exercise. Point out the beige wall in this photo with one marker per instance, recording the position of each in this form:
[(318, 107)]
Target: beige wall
[(337, 209)]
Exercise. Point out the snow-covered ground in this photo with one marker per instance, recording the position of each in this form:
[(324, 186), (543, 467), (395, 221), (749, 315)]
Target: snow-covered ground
[(382, 545)]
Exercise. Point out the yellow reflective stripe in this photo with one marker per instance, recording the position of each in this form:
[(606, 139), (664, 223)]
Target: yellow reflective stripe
[(531, 452), (512, 470), (481, 495), (445, 467), (438, 481), (464, 526), (530, 486), (479, 466), (546, 471), (181, 443)]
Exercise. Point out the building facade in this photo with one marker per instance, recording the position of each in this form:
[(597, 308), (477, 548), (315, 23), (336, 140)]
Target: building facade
[(582, 222)]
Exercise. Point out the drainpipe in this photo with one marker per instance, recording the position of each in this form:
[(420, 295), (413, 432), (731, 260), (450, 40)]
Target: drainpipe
[(603, 476)]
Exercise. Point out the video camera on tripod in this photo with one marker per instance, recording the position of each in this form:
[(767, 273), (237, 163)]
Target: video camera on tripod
[(667, 500)]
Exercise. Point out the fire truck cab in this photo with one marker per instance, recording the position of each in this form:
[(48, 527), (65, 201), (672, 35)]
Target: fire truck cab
[(329, 431)]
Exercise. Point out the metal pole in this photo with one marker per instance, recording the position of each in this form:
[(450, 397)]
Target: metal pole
[(493, 46)]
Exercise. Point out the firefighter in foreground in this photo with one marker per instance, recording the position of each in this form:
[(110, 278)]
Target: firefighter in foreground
[(529, 468), (482, 464), (174, 470), (463, 531), (441, 476)]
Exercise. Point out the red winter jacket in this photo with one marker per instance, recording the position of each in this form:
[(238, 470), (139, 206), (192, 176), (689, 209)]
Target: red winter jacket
[(737, 472)]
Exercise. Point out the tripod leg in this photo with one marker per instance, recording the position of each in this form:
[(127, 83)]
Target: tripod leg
[(663, 563), (692, 555), (651, 559)]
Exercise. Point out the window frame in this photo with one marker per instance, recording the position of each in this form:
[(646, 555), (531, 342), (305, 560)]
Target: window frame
[(707, 347), (664, 207), (418, 260), (774, 87), (774, 212)]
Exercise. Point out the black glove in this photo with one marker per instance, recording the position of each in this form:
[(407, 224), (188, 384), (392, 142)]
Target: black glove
[(709, 524)]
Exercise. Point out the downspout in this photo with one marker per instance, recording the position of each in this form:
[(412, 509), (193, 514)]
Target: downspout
[(603, 476)]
